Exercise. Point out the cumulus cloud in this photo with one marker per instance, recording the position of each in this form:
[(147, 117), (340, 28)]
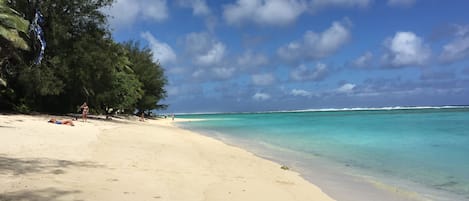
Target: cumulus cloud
[(263, 79), (264, 12), (280, 12), (321, 4), (162, 52), (199, 7), (196, 43), (198, 73), (303, 73), (205, 50), (250, 59), (317, 45), (363, 61), (223, 72), (124, 13), (261, 96), (458, 48), (401, 3), (346, 88), (405, 49), (184, 91), (301, 92), (214, 73), (437, 75), (212, 56), (156, 10)]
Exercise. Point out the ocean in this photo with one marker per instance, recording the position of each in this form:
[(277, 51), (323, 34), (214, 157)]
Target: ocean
[(358, 154)]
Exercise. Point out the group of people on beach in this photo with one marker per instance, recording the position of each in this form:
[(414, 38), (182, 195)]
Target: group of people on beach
[(84, 115)]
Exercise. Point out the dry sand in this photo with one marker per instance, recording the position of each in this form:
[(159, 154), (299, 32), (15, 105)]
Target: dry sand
[(136, 161)]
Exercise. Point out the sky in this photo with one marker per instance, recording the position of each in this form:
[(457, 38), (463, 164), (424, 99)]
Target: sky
[(270, 55)]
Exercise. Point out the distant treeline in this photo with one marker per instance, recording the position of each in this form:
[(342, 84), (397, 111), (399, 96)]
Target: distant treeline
[(81, 61)]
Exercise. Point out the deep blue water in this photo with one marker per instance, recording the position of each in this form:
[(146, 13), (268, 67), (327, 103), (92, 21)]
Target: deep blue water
[(427, 147)]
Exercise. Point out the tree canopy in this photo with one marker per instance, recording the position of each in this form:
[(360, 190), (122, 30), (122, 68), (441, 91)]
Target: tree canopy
[(81, 62)]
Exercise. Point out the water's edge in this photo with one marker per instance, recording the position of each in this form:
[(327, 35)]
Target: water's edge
[(342, 182)]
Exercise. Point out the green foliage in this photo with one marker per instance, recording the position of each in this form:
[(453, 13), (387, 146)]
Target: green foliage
[(150, 74), (81, 63), (13, 28), (13, 38)]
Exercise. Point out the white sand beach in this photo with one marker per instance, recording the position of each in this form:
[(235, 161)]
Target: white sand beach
[(131, 160)]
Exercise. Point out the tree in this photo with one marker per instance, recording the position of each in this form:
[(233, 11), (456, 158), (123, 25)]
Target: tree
[(13, 37), (81, 62), (68, 25), (13, 28), (150, 74)]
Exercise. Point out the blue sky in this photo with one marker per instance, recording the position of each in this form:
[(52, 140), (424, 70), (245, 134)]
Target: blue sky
[(258, 55)]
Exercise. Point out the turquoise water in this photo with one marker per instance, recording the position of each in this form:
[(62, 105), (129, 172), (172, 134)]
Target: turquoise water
[(425, 147)]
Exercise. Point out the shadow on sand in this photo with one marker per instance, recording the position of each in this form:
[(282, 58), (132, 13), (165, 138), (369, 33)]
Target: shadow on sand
[(47, 194), (20, 166)]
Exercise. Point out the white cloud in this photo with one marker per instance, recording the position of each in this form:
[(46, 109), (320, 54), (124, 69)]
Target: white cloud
[(317, 45), (198, 73), (280, 12), (177, 70), (346, 88), (125, 12), (458, 48), (212, 56), (301, 92), (197, 43), (401, 3), (223, 73), (321, 4), (364, 60), (213, 73), (161, 51), (264, 12), (303, 73), (263, 79), (261, 96), (406, 49), (156, 10), (250, 59), (461, 30), (205, 50), (199, 7)]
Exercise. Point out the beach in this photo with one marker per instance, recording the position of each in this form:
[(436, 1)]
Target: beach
[(132, 160)]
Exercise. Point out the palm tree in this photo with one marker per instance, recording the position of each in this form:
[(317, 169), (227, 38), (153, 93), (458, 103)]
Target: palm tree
[(13, 31), (11, 25)]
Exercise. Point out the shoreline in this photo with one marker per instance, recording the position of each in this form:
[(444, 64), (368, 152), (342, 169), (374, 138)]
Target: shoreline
[(340, 181), (131, 160)]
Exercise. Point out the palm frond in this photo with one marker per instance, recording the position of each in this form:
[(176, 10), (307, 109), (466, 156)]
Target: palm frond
[(14, 21), (11, 25), (14, 38), (2, 82)]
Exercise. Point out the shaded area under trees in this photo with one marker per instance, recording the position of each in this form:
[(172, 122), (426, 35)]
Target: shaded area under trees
[(82, 62)]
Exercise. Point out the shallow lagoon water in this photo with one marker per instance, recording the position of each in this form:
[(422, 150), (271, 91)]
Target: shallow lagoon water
[(421, 150)]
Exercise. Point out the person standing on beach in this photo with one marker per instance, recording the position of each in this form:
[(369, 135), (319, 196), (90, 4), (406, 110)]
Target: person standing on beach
[(84, 111)]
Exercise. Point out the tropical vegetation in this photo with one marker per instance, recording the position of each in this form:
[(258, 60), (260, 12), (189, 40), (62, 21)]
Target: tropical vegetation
[(81, 62)]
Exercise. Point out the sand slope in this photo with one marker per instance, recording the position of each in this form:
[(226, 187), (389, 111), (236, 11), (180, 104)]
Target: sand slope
[(150, 160)]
